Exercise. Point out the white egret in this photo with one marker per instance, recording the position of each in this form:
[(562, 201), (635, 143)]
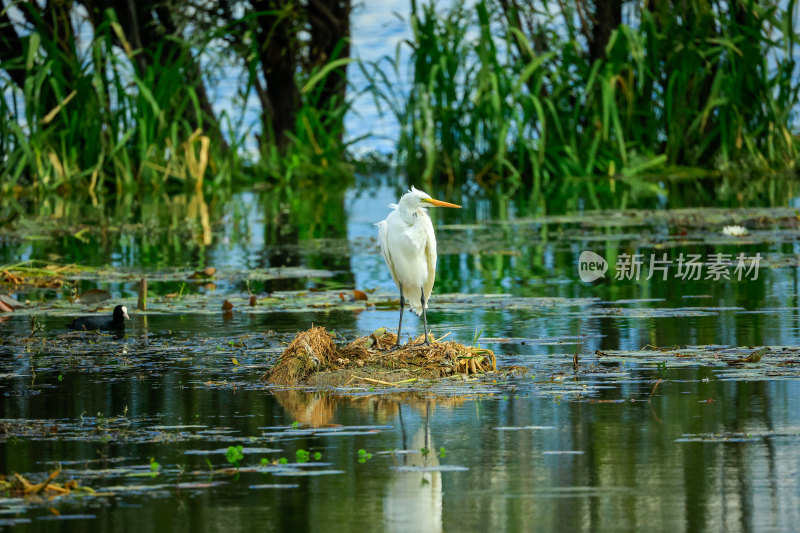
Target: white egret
[(408, 245)]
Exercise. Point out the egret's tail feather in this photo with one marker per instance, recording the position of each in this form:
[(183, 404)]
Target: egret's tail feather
[(416, 306)]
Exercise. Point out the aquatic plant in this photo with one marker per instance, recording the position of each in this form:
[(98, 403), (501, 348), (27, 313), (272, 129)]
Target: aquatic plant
[(155, 467), (234, 454), (579, 108), (364, 455)]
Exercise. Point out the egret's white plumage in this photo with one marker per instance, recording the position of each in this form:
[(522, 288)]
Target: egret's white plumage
[(408, 245)]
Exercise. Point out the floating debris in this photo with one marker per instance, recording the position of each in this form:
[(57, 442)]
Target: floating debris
[(521, 428), (720, 437), (67, 517), (431, 468), (734, 231), (93, 296), (9, 304), (297, 472), (754, 357), (206, 273), (222, 451), (562, 452), (18, 485)]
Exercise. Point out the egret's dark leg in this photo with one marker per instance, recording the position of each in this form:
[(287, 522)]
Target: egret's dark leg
[(424, 317), (397, 344)]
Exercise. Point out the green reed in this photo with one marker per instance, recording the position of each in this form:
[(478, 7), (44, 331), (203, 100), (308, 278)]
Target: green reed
[(710, 85), (88, 119)]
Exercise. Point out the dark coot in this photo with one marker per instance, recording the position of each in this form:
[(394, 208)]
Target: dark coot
[(115, 322)]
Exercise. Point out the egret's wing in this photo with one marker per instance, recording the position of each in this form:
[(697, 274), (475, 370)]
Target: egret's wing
[(383, 240), (430, 257)]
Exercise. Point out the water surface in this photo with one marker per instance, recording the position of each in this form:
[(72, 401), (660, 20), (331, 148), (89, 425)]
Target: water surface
[(629, 441)]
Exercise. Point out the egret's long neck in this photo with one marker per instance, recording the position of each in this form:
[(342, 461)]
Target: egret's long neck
[(409, 214)]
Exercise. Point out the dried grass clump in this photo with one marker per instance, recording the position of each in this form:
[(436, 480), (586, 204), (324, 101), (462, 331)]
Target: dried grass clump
[(19, 485), (318, 408), (310, 351), (314, 351), (363, 348)]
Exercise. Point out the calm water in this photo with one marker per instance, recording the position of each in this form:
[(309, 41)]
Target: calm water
[(712, 448)]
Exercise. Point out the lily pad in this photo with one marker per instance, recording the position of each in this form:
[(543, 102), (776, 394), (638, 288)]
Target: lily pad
[(93, 296)]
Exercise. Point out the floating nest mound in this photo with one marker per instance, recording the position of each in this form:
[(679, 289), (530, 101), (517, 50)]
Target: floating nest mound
[(314, 351)]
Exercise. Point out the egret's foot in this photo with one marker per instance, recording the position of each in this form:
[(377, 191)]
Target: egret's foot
[(397, 346)]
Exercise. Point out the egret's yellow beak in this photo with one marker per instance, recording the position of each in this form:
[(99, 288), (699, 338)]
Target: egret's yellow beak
[(439, 203)]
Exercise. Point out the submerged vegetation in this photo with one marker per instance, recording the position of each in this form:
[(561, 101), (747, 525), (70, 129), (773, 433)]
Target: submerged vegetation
[(584, 101)]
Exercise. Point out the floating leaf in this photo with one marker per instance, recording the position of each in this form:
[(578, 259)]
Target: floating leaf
[(10, 302), (227, 306), (200, 484), (206, 273), (253, 300), (93, 296), (754, 357), (68, 517), (297, 472), (431, 468), (359, 295), (562, 452), (235, 361), (223, 451)]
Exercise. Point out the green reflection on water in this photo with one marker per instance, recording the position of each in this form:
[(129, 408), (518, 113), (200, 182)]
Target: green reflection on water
[(633, 470)]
